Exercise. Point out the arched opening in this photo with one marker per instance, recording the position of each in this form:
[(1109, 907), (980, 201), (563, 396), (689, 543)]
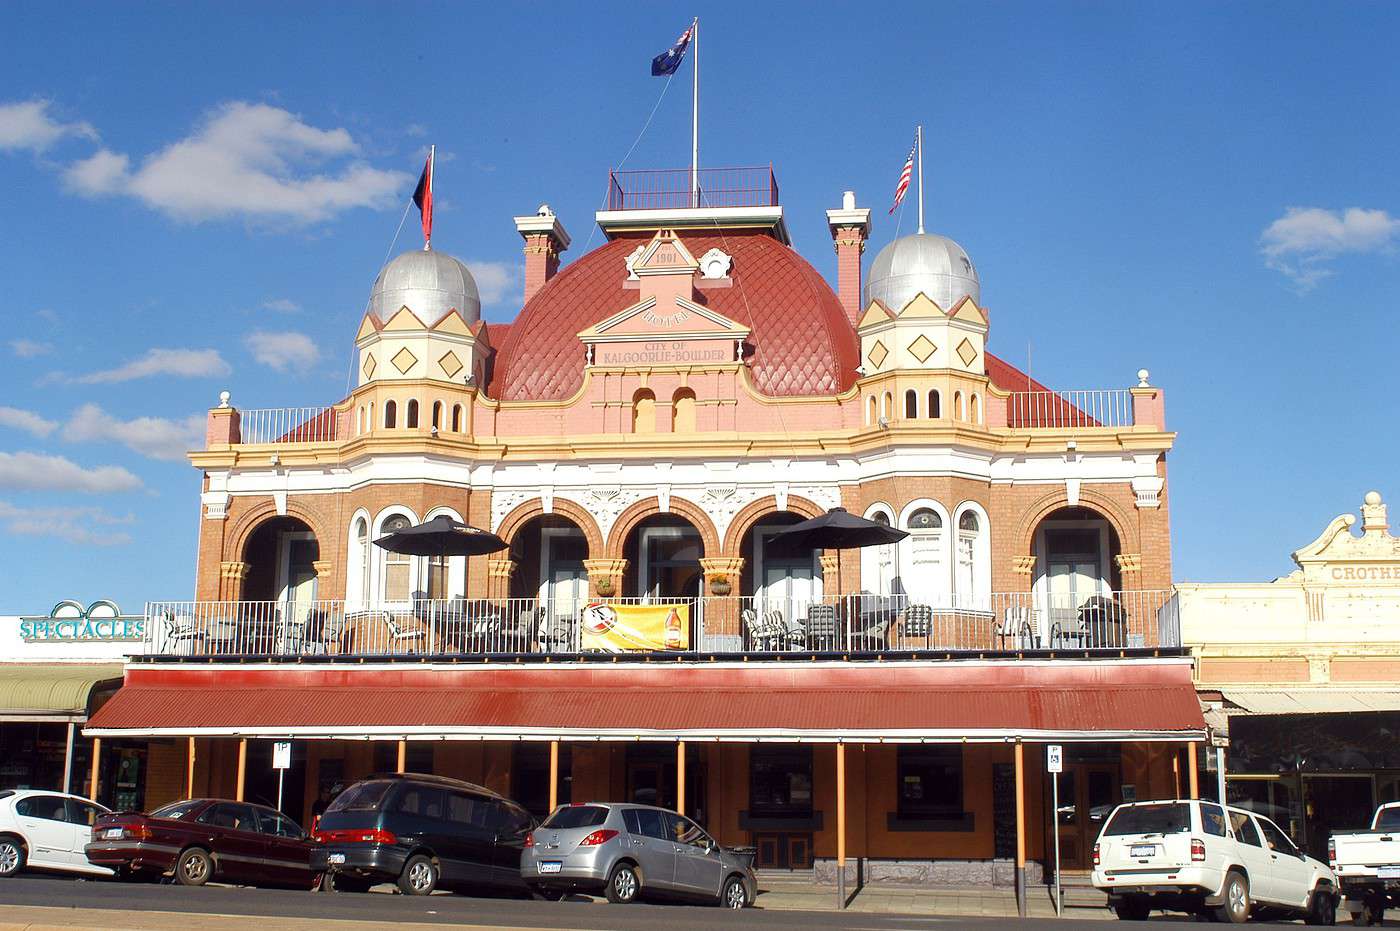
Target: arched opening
[(391, 414), (871, 411), (360, 420), (975, 409), (886, 402), (879, 565), (935, 405), (923, 556), (959, 408), (549, 551), (411, 420), (644, 411), (663, 558), (911, 404), (370, 418), (437, 415), (397, 580), (1075, 568), (972, 571), (456, 418), (357, 574), (683, 411), (281, 555), (778, 580)]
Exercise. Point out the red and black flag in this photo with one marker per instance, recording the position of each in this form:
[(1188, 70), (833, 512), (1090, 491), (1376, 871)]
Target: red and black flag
[(423, 197)]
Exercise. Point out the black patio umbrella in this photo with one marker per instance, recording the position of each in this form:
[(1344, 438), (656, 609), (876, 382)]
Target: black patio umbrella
[(442, 536), (837, 529)]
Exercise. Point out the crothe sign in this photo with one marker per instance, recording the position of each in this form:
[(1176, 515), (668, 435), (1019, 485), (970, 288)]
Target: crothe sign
[(70, 622)]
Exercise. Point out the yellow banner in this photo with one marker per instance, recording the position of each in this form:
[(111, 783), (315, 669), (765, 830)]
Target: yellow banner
[(614, 628)]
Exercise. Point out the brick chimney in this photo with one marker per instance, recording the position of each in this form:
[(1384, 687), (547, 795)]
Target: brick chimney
[(545, 238), (850, 227)]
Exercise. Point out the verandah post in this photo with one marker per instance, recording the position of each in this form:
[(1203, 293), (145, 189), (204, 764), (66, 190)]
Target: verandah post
[(96, 761), (680, 778), (1191, 777), (553, 774), (1020, 829), (242, 767), (189, 770), (403, 756), (841, 825)]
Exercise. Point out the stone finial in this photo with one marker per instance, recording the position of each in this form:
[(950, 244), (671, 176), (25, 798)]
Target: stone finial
[(1373, 514), (1142, 378), (223, 398)]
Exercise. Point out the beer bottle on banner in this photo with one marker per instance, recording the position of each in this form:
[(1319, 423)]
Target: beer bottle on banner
[(673, 630)]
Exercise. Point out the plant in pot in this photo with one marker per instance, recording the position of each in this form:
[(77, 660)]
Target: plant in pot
[(720, 585), (606, 588)]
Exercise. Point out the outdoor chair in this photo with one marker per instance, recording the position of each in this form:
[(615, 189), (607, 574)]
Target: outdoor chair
[(822, 626), (874, 636), (515, 632), (403, 639), (917, 625), (1016, 632), (556, 633), (766, 632), (791, 631), (323, 630)]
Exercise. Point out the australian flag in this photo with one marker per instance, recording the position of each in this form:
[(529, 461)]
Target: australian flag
[(668, 61)]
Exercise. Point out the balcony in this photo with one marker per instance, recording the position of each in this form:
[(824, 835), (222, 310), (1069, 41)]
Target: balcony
[(290, 425), (674, 189), (1085, 409), (1107, 623)]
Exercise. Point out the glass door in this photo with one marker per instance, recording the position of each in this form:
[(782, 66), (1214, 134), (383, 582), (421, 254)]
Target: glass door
[(1088, 793)]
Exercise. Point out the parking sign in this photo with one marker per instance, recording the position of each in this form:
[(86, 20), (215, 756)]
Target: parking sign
[(1054, 759), (282, 754)]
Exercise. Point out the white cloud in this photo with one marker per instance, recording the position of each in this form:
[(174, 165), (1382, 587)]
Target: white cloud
[(184, 363), (282, 305), (29, 348), (495, 281), (246, 160), (282, 350), (28, 421), (40, 472), (1303, 242), (155, 437), (84, 525), (27, 125)]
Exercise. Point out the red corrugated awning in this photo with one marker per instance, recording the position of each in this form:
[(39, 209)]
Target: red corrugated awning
[(1063, 700)]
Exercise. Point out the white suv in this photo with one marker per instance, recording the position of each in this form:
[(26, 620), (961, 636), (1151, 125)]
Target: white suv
[(1195, 857)]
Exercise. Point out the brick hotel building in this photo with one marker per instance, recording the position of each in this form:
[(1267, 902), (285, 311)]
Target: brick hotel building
[(655, 412)]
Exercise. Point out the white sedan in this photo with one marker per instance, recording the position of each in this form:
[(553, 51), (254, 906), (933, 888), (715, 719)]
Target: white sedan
[(46, 830)]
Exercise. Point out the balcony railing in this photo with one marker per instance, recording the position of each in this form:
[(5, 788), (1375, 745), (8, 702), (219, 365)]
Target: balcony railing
[(1108, 622), (674, 188), (1099, 407), (288, 425)]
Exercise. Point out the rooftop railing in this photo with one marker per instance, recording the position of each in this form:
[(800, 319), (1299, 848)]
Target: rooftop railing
[(288, 425), (1107, 622), (675, 189), (1098, 407)]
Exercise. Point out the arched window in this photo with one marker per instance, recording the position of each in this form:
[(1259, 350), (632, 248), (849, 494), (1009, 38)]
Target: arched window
[(683, 411), (644, 411), (976, 409), (398, 567), (959, 408), (357, 584), (411, 421), (879, 564), (968, 522), (391, 415), (456, 418), (935, 407), (370, 418), (437, 415), (886, 402), (972, 574), (925, 519), (923, 556), (911, 404), (870, 414), (360, 420)]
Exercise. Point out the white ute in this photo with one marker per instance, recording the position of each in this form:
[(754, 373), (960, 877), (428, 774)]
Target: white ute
[(1223, 864), (1367, 864)]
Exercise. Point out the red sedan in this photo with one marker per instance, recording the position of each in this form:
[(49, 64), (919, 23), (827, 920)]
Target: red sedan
[(206, 839)]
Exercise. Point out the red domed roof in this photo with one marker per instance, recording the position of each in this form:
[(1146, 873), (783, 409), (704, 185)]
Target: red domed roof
[(802, 342)]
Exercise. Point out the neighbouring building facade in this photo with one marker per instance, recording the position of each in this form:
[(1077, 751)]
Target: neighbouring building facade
[(1301, 678), (654, 414)]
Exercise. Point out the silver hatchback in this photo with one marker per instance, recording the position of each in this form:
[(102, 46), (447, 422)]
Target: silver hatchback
[(627, 851)]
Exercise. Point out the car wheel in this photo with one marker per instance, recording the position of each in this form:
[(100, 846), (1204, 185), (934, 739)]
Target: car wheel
[(1235, 908), (623, 884), (1372, 912), (734, 894), (194, 867), (11, 856), (1133, 909), (419, 876), (1322, 908)]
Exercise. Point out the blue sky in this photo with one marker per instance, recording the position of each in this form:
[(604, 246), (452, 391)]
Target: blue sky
[(1204, 190)]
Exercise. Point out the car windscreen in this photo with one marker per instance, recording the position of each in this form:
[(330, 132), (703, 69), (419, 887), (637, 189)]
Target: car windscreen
[(177, 810), (576, 816), (362, 796), (1388, 819), (1166, 818)]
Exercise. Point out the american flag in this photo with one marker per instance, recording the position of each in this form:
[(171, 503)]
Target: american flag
[(904, 176)]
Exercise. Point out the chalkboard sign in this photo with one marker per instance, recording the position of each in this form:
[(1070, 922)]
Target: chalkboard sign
[(1004, 809)]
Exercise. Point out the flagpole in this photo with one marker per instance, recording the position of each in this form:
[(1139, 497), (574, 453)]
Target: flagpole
[(432, 169), (921, 178), (695, 117)]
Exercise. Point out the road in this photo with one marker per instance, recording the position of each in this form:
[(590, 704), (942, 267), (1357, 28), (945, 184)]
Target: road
[(448, 910)]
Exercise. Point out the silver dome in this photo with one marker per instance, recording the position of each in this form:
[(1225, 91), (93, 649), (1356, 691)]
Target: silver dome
[(431, 284), (925, 262)]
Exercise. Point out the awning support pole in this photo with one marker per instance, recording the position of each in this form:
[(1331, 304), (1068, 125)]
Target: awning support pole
[(553, 774), (242, 767), (403, 756), (840, 825), (680, 778), (96, 762), (1220, 773), (1020, 829), (68, 759), (1192, 779), (189, 770)]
